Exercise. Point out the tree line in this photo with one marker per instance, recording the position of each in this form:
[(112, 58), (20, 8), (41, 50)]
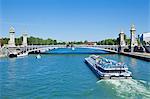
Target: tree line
[(39, 41), (113, 41), (31, 41)]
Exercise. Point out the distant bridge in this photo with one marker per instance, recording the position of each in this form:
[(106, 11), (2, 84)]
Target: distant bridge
[(43, 48)]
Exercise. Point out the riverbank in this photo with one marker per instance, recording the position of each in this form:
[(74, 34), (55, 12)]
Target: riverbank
[(138, 55)]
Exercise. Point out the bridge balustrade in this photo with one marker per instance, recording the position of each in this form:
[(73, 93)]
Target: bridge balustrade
[(31, 48)]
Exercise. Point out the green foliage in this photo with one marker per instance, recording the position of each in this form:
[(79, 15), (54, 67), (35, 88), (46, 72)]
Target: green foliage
[(40, 41), (127, 40), (31, 41), (4, 41), (138, 41), (85, 41), (18, 41), (108, 42)]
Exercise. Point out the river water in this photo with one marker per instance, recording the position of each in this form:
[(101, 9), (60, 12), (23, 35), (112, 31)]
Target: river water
[(66, 76)]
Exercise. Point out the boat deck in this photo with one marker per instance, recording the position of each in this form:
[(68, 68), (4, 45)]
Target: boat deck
[(105, 75)]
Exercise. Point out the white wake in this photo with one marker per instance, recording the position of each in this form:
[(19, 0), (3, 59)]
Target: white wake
[(128, 88)]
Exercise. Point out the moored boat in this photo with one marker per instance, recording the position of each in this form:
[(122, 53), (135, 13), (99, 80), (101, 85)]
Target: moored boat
[(107, 69)]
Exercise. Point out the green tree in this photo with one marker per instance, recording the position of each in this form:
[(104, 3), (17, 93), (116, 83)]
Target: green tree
[(108, 42)]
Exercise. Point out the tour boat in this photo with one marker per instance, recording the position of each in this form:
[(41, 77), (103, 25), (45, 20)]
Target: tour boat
[(107, 69)]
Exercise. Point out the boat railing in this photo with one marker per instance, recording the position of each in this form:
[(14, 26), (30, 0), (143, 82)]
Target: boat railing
[(112, 64), (106, 63)]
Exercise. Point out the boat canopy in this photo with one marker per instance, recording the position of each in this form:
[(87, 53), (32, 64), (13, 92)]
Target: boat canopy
[(108, 64)]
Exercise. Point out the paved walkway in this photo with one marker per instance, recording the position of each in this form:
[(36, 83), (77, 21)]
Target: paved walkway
[(141, 54), (144, 56)]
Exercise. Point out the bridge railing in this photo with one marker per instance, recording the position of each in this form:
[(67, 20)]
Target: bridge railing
[(73, 45), (49, 47), (102, 46)]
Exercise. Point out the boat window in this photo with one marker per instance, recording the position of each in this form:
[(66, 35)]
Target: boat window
[(115, 71)]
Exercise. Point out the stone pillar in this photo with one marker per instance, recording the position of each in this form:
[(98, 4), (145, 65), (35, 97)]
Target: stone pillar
[(24, 43), (11, 42), (133, 40), (122, 43)]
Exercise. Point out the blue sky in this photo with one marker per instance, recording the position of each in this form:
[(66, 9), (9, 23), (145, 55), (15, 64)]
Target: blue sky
[(70, 20)]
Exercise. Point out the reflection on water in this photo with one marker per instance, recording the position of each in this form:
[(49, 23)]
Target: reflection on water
[(11, 72), (121, 58), (133, 61), (128, 88)]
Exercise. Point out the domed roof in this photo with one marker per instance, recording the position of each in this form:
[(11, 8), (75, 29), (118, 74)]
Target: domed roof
[(11, 30)]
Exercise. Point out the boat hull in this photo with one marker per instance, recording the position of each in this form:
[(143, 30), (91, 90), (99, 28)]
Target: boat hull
[(98, 75), (101, 75)]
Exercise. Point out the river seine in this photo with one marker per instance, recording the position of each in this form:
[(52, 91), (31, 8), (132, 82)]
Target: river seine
[(66, 76)]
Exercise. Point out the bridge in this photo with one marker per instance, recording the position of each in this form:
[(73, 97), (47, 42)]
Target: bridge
[(11, 48), (43, 48)]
